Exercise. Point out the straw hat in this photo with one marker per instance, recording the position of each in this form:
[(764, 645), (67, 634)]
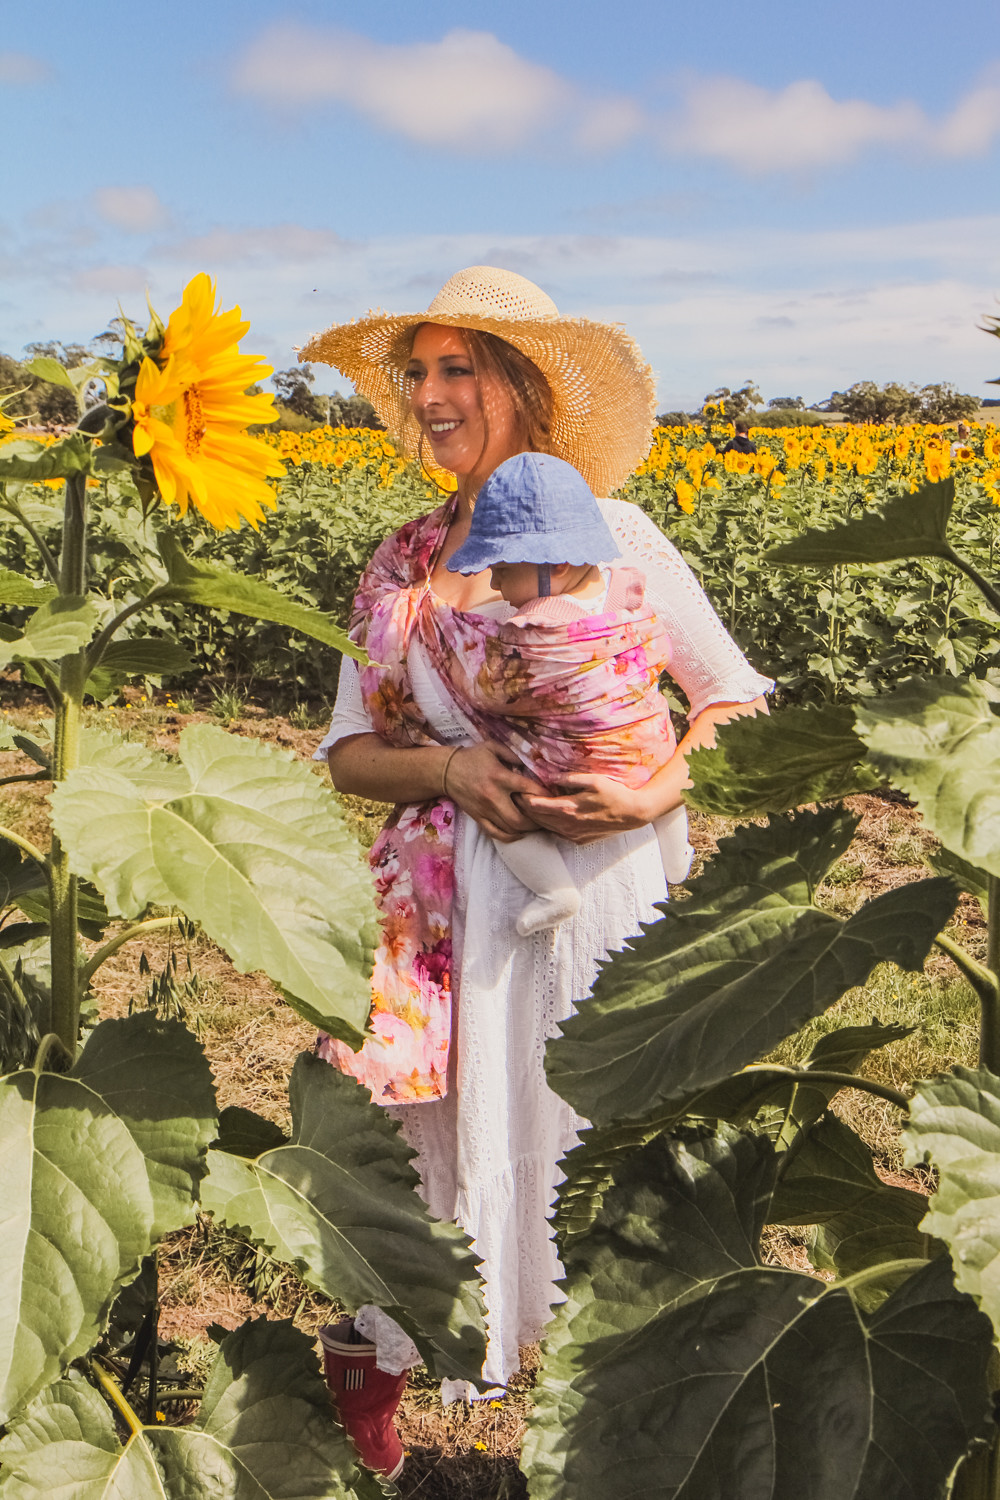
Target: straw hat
[(603, 390)]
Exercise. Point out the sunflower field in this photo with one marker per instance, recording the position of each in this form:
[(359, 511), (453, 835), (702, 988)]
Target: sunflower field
[(838, 635), (163, 539)]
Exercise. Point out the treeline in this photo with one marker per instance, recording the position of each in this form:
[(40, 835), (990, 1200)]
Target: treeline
[(33, 400), (865, 401), (27, 398)]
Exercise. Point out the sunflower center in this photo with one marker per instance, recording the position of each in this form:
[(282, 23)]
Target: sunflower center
[(194, 421)]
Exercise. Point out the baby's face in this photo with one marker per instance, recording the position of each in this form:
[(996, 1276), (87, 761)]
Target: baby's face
[(517, 582)]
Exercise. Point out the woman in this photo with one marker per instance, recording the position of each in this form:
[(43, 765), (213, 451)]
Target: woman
[(489, 371)]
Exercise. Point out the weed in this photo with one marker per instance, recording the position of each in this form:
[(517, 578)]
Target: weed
[(185, 704), (229, 705)]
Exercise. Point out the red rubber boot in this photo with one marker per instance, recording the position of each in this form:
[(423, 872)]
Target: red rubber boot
[(365, 1396)]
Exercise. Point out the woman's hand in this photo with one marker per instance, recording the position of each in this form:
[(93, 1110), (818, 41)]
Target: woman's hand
[(591, 808), (484, 786)]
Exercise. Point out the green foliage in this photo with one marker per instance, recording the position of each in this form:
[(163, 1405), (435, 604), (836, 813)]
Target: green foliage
[(339, 1201), (681, 1366), (208, 835), (60, 628), (906, 526), (724, 976), (265, 1416), (939, 740), (772, 763), (97, 1166), (955, 1125)]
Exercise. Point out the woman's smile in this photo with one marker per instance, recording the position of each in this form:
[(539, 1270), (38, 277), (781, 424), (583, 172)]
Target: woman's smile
[(467, 422)]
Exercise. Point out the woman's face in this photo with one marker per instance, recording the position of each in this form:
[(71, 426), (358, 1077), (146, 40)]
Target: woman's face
[(471, 425)]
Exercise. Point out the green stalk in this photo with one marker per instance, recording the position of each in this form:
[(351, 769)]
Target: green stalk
[(989, 1035), (72, 676), (989, 593)]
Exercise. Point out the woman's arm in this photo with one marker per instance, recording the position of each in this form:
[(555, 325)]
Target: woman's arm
[(602, 806), (477, 780)]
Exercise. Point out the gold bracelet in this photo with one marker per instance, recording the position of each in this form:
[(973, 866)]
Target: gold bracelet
[(444, 773)]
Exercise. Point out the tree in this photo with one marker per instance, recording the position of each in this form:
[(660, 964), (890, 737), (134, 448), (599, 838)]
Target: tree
[(291, 388), (943, 403), (353, 411), (867, 402), (736, 403), (786, 403)]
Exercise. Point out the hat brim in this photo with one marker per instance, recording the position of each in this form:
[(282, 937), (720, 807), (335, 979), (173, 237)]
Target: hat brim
[(575, 546), (603, 391)]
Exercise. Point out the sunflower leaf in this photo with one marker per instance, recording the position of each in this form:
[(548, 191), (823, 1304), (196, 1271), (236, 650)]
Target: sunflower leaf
[(59, 628), (771, 763), (243, 839), (219, 588), (679, 1366), (265, 1417), (339, 1201), (906, 526)]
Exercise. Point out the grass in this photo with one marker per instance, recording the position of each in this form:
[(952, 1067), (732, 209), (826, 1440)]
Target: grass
[(209, 1276)]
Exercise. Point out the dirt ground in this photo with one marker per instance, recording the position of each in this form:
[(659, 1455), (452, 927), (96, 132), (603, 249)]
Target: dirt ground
[(252, 1038)]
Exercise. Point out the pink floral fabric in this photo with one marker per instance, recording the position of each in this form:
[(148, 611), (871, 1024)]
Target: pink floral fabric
[(562, 697)]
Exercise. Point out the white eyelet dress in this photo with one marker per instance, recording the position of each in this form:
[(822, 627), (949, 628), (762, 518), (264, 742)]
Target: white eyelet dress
[(487, 1153)]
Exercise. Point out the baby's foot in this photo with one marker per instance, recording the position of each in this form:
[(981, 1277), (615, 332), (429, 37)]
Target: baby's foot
[(548, 911)]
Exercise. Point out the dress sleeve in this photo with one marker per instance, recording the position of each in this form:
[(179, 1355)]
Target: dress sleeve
[(706, 661), (349, 713)]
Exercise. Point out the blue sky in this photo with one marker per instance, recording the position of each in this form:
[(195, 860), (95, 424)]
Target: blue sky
[(805, 202)]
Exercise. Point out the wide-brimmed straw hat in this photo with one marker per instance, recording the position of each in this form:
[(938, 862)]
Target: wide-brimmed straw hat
[(603, 391)]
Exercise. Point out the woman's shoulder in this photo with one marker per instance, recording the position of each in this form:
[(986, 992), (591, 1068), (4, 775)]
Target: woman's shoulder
[(638, 534)]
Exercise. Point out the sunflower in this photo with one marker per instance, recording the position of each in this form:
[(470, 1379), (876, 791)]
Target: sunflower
[(190, 410)]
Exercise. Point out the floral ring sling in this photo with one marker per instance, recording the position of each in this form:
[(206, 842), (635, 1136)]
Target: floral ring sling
[(562, 697)]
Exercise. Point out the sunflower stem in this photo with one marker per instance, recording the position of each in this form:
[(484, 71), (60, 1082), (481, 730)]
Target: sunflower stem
[(72, 677)]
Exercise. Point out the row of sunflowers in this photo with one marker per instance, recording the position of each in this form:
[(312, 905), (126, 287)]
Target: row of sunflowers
[(687, 461), (690, 459)]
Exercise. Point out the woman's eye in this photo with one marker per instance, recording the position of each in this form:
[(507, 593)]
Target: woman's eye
[(411, 375), (457, 370)]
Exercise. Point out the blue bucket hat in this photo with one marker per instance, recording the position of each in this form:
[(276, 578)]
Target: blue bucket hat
[(534, 508)]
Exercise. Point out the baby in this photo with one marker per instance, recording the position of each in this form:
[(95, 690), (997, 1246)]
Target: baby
[(575, 689)]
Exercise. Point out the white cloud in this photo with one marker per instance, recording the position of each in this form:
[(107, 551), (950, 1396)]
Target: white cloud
[(469, 91), (802, 126), (135, 209), (111, 281), (21, 70), (284, 243), (472, 93), (805, 312)]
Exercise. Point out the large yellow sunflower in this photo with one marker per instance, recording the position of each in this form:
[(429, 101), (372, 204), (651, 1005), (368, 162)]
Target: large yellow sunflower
[(190, 412)]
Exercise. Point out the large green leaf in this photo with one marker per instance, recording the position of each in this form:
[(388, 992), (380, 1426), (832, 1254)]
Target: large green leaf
[(15, 588), (340, 1202), (794, 1106), (265, 1430), (726, 975), (57, 629), (831, 1181), (49, 370), (243, 839), (152, 656), (220, 588), (955, 1124), (680, 1367), (30, 461), (906, 526), (90, 1179), (938, 738), (23, 885), (155, 1076), (774, 762)]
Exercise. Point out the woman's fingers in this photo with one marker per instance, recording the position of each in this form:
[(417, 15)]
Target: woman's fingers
[(595, 807), (484, 787)]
